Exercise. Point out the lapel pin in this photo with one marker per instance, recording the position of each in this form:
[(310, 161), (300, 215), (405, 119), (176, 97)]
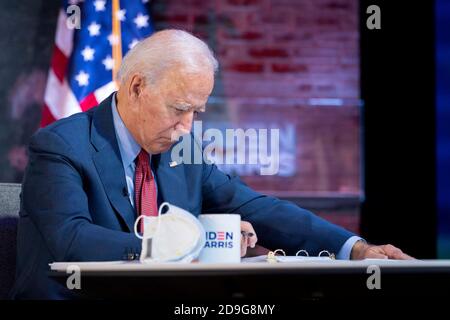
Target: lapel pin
[(173, 164)]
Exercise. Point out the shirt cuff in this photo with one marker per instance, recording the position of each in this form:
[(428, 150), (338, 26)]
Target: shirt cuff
[(346, 249)]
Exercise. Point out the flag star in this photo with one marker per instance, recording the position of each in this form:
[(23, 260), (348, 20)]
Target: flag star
[(121, 14), (82, 78), (133, 43), (141, 20), (108, 62), (94, 29), (99, 5), (88, 53), (113, 39)]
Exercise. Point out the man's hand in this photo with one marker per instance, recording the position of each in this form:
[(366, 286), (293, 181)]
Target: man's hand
[(362, 250), (248, 237)]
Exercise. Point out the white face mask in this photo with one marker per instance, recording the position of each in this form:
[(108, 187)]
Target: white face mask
[(176, 235)]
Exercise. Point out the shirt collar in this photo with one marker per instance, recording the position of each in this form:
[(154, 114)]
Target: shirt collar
[(129, 148)]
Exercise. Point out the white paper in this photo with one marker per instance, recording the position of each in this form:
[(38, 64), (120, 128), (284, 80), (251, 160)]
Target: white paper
[(287, 259)]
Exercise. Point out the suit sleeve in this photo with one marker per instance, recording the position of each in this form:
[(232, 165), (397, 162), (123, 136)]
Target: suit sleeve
[(278, 224), (54, 199)]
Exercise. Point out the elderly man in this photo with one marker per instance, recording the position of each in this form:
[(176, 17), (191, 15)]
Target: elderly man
[(84, 186)]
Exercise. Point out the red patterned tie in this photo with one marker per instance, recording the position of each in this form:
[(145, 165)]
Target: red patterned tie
[(145, 200)]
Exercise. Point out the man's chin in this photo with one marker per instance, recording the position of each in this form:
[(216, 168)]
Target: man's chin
[(162, 147)]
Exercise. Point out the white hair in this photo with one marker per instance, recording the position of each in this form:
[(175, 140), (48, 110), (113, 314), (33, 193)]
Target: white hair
[(166, 49)]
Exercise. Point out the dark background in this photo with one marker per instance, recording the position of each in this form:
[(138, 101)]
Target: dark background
[(398, 89), (442, 126)]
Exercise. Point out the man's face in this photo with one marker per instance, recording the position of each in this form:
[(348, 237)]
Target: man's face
[(164, 111)]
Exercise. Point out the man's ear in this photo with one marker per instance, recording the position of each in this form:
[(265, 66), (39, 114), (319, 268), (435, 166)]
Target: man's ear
[(136, 86)]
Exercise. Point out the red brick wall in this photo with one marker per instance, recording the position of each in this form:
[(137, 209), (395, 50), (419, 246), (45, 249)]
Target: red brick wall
[(276, 59)]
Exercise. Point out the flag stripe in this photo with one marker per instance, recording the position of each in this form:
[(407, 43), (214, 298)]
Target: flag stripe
[(59, 63), (88, 102), (103, 92), (64, 35), (47, 116), (59, 98)]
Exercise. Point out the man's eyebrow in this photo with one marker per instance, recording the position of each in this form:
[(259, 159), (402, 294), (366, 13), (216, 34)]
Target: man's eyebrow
[(187, 106), (182, 106)]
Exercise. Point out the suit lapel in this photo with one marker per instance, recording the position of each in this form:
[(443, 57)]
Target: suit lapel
[(171, 181), (108, 162)]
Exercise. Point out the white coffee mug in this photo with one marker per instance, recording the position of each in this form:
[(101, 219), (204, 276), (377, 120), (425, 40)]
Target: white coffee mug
[(223, 238)]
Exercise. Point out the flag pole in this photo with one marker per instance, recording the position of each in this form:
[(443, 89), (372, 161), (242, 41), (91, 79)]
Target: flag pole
[(117, 39)]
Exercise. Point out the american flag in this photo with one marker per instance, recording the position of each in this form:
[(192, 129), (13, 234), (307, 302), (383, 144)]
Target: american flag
[(220, 235), (85, 61)]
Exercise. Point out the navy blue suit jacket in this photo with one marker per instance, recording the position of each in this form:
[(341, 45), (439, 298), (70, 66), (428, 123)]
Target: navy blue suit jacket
[(74, 206)]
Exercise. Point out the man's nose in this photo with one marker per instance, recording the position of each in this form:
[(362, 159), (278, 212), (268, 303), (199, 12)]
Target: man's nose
[(186, 121)]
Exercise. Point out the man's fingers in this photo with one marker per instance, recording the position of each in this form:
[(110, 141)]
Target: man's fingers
[(249, 233), (392, 252), (395, 253), (243, 246), (252, 239), (375, 252), (402, 256), (364, 251), (375, 255), (248, 239), (408, 257)]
